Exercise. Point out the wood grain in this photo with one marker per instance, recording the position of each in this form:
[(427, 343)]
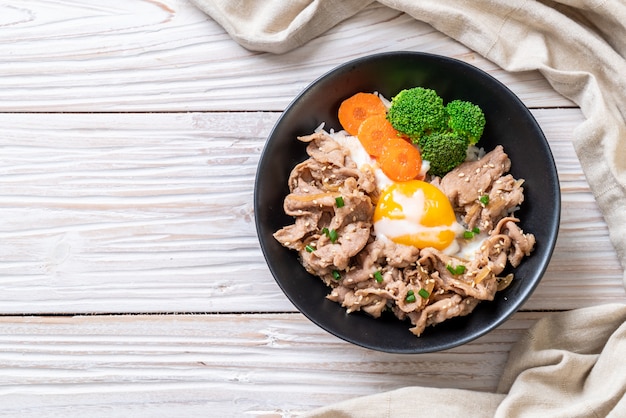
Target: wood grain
[(114, 200), (153, 213), (166, 55), (216, 365)]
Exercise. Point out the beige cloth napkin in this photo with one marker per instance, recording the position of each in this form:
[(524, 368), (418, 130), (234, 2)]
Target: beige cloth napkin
[(570, 364)]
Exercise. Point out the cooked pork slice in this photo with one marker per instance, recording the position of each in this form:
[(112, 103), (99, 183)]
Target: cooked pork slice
[(465, 283), (351, 239), (291, 235), (332, 203), (506, 194), (523, 244), (332, 164), (470, 180), (354, 297), (441, 310), (323, 148), (326, 234)]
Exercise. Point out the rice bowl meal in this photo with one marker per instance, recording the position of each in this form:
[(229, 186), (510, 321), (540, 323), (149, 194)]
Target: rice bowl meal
[(401, 211), (374, 223)]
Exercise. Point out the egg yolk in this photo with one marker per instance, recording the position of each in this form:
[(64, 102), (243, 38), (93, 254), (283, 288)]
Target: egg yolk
[(416, 213)]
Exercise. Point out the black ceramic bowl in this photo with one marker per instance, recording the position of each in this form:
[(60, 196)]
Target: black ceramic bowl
[(508, 123)]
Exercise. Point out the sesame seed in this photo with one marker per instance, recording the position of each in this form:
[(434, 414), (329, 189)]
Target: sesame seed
[(467, 179), (305, 190), (461, 174), (315, 202), (491, 165), (478, 170)]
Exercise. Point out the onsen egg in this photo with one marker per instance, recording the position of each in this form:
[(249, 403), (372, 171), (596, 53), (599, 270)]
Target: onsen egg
[(416, 213)]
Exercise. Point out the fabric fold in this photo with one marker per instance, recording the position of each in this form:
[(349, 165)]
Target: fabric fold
[(278, 26), (568, 365)]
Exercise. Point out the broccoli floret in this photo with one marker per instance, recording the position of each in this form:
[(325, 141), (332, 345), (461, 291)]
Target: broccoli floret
[(416, 112), (443, 150), (466, 119)]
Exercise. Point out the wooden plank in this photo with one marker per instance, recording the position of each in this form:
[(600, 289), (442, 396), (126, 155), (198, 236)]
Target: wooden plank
[(153, 213), (584, 265), (223, 365), (166, 55), (136, 211)]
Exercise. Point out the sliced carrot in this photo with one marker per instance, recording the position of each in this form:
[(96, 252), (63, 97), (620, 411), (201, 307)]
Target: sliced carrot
[(355, 109), (400, 160), (374, 133)]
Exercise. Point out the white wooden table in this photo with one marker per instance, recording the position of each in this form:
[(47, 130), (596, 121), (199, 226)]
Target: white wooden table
[(131, 279)]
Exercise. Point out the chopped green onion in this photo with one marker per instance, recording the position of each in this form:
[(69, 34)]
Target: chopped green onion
[(423, 293), (331, 234), (378, 276), (484, 199), (410, 296), (336, 275), (339, 202), (309, 249), (460, 269), (470, 234)]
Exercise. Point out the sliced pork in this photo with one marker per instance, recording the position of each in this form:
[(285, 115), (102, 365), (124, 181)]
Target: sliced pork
[(332, 202)]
